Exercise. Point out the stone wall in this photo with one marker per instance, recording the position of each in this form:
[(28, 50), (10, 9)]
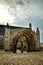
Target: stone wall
[(11, 33), (1, 41), (7, 39)]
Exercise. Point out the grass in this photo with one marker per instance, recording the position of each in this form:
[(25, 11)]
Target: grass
[(31, 58)]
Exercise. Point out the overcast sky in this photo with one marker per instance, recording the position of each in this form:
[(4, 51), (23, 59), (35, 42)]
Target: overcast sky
[(22, 12)]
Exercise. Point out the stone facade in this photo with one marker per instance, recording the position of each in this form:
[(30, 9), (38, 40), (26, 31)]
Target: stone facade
[(1, 41), (21, 37)]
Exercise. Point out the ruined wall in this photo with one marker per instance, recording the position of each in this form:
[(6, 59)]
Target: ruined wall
[(1, 41), (11, 33), (7, 39), (37, 38)]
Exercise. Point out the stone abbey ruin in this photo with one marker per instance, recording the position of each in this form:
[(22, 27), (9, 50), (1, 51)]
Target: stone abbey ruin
[(12, 37)]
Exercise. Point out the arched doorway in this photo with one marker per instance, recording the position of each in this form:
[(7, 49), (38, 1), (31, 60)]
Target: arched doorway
[(23, 36), (23, 43)]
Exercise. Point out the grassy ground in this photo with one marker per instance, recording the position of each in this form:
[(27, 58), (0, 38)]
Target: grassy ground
[(31, 58)]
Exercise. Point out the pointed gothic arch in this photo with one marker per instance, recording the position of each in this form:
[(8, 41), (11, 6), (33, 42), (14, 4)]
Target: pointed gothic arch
[(29, 38)]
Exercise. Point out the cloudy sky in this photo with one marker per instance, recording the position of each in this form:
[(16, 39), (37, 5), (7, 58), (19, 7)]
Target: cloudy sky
[(22, 12)]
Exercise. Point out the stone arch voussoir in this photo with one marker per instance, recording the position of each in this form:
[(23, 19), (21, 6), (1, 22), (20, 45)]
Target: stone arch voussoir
[(28, 34)]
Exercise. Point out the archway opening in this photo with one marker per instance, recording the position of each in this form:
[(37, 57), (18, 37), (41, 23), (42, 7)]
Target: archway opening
[(22, 38), (22, 43)]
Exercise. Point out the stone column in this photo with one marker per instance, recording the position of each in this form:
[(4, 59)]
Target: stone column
[(7, 39), (14, 48), (28, 48), (21, 47)]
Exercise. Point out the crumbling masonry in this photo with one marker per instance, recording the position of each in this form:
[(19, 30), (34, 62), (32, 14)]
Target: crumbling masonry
[(20, 37)]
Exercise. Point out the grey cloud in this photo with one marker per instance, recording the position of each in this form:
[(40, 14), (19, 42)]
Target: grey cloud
[(23, 9), (19, 2), (14, 3), (2, 2)]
